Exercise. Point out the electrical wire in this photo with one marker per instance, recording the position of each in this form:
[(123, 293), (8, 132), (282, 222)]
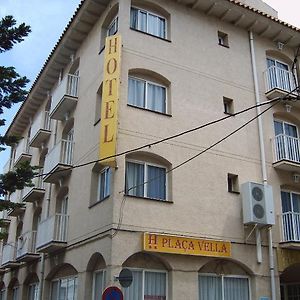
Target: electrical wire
[(159, 141)]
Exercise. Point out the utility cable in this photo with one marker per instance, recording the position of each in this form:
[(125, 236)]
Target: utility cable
[(161, 140)]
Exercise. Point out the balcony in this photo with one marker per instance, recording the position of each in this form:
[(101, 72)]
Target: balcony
[(40, 130), (35, 192), (286, 150), (9, 256), (16, 197), (26, 247), (22, 152), (64, 98), (52, 233), (59, 161), (278, 82), (290, 230)]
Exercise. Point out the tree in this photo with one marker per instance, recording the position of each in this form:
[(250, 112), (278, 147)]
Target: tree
[(12, 90)]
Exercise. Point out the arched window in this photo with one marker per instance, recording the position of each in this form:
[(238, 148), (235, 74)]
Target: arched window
[(149, 18), (150, 278), (146, 176), (223, 280), (148, 90)]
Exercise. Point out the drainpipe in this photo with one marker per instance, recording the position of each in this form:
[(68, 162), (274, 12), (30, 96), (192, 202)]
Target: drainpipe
[(263, 164), (41, 286)]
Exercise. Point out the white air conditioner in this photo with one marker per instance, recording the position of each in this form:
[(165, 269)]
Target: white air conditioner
[(258, 204)]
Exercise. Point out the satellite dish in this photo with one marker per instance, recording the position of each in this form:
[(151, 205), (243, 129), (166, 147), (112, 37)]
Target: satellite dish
[(125, 278)]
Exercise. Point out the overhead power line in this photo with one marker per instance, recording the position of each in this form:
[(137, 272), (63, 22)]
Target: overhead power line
[(161, 140)]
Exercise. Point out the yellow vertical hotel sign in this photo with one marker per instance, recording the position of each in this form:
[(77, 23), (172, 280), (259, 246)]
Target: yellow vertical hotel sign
[(110, 99)]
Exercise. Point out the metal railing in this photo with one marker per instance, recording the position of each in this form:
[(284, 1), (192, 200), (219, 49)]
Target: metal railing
[(37, 182), (42, 121), (290, 227), (286, 147), (53, 229), (22, 148), (8, 253), (279, 78), (61, 153), (26, 243), (67, 87)]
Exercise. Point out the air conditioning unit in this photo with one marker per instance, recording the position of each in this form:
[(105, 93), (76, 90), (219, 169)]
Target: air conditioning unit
[(258, 204)]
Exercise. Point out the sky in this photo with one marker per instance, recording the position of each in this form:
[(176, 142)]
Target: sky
[(48, 19)]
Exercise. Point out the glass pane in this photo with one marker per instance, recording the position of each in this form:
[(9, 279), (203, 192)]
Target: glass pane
[(278, 127), (135, 290), (98, 285), (156, 98), (142, 21), (136, 92), (63, 289), (104, 184), (286, 202), (71, 289), (156, 25), (54, 290), (270, 62), (290, 130), (236, 288), (296, 203), (210, 288), (134, 179), (134, 18), (155, 286), (156, 186)]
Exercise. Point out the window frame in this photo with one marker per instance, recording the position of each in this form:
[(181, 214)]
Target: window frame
[(223, 39), (278, 61), (290, 192), (115, 20), (146, 81), (283, 123), (222, 276), (75, 278), (107, 176), (94, 282), (152, 271), (145, 190), (147, 29), (36, 287)]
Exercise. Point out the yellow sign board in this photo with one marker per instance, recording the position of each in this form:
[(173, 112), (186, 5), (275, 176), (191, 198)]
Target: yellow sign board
[(110, 100), (153, 242), (287, 258)]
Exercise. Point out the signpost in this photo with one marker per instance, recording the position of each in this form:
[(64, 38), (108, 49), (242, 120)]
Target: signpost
[(112, 293)]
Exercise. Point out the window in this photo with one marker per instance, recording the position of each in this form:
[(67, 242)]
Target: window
[(15, 293), (228, 106), (112, 27), (223, 287), (2, 294), (33, 291), (98, 284), (223, 39), (64, 289), (147, 285), (148, 22), (104, 184), (146, 94), (286, 141), (145, 180), (98, 105), (233, 183), (290, 203)]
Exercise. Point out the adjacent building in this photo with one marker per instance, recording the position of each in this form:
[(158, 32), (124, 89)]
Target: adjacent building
[(114, 193)]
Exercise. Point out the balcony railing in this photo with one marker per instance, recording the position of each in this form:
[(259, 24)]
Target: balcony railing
[(61, 155), (40, 129), (8, 254), (278, 78), (286, 148), (26, 244), (68, 88), (290, 227), (22, 151), (37, 190), (52, 230)]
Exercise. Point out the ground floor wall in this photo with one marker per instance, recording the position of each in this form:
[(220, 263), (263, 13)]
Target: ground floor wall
[(83, 270)]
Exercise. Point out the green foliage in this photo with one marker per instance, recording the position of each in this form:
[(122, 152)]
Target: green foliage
[(12, 90)]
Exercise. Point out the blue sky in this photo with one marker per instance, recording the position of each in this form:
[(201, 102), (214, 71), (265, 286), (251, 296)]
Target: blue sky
[(48, 18)]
